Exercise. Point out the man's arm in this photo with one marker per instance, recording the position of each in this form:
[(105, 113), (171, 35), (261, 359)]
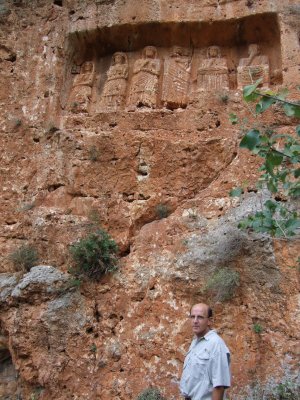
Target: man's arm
[(218, 393)]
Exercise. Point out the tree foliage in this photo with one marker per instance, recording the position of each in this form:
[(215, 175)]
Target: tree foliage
[(280, 169)]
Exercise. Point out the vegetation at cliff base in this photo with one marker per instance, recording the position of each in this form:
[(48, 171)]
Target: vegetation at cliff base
[(288, 388), (94, 255), (150, 394)]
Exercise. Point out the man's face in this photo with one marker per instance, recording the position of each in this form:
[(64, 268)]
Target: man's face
[(213, 52), (87, 67), (149, 53), (118, 59), (199, 320)]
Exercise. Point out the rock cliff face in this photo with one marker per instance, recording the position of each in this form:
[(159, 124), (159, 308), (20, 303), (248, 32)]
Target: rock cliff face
[(117, 111)]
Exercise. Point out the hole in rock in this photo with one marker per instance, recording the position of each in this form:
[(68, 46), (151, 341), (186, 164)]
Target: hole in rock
[(97, 313), (58, 3), (8, 373), (125, 252), (55, 186)]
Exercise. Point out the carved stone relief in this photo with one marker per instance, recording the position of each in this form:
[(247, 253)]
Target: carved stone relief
[(144, 85), (252, 68), (113, 95), (176, 78), (212, 74), (81, 91), (155, 78)]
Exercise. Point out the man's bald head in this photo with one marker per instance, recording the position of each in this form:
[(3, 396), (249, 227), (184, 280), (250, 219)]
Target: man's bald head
[(209, 311)]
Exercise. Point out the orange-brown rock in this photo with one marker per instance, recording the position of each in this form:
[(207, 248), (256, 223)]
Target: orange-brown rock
[(93, 130)]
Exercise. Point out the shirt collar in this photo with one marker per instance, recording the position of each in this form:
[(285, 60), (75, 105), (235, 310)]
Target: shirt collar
[(206, 336)]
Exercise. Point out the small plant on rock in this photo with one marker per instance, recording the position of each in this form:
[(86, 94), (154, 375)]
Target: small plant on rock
[(257, 328), (222, 284), (150, 394), (16, 123), (24, 258), (94, 255), (93, 153), (162, 211)]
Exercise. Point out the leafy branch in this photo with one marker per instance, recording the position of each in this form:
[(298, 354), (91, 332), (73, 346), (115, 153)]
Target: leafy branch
[(280, 169)]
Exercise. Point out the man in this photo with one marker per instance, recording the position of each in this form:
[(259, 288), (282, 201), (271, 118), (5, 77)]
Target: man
[(206, 372)]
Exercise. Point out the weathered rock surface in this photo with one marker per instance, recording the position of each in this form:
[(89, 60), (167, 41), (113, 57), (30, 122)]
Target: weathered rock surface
[(97, 127), (46, 306)]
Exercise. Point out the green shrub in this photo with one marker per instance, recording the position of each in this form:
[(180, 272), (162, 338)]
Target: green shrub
[(286, 389), (257, 328), (224, 98), (94, 255), (162, 211), (222, 284), (150, 394), (24, 258)]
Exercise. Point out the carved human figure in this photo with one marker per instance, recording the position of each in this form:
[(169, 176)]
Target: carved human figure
[(176, 78), (114, 91), (81, 92), (254, 67), (212, 74), (144, 85)]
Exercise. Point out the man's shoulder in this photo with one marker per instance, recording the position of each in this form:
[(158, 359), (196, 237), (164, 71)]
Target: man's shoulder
[(216, 342)]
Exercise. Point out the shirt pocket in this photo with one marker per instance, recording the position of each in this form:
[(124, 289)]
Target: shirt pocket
[(200, 365)]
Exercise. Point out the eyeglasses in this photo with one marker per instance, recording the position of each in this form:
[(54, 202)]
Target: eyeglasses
[(197, 317)]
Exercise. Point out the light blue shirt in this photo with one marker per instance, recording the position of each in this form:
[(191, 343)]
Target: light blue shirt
[(206, 366)]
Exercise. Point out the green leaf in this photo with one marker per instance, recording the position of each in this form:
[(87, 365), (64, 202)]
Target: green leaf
[(297, 173), (298, 130), (294, 192), (292, 110), (271, 205), (236, 192), (233, 118), (291, 226), (297, 111), (250, 89), (282, 94), (264, 104), (274, 158), (295, 148), (250, 140), (272, 186)]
